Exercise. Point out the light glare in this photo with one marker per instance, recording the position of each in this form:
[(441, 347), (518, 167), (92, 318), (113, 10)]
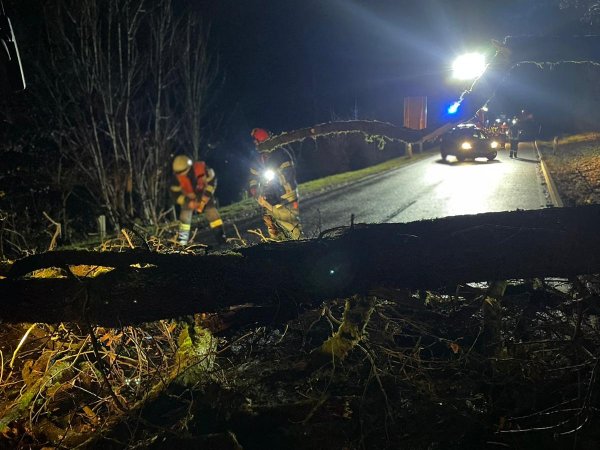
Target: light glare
[(468, 66), (268, 175)]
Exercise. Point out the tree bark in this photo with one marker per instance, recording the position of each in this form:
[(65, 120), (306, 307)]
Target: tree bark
[(353, 260)]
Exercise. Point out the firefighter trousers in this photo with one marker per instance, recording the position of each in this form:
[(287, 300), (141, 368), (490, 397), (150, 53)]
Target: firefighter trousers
[(214, 222), (514, 148)]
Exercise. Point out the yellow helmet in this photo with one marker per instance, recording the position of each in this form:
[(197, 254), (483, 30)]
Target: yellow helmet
[(181, 164)]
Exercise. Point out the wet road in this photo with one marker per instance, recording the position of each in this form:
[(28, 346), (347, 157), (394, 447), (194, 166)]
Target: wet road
[(431, 188)]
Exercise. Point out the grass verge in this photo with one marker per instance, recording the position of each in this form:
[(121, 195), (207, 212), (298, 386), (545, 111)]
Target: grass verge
[(575, 167)]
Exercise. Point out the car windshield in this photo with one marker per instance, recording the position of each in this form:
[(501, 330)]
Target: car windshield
[(467, 133)]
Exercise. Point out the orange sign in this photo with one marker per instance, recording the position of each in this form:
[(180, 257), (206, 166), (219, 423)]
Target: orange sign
[(415, 112)]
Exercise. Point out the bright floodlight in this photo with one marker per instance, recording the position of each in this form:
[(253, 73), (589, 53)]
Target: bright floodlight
[(468, 66)]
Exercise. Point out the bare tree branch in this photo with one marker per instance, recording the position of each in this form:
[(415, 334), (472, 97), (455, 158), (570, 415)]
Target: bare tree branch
[(123, 64)]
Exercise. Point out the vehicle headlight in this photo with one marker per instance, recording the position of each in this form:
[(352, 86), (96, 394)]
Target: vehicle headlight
[(494, 144), (268, 175), (466, 146)]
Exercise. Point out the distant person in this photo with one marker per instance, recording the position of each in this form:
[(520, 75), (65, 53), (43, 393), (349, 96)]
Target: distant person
[(273, 185), (513, 137), (503, 128), (194, 191)]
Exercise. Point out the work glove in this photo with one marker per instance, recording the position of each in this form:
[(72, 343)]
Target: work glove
[(198, 206)]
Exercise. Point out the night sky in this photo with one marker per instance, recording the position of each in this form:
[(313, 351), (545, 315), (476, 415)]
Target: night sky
[(286, 64), (294, 63)]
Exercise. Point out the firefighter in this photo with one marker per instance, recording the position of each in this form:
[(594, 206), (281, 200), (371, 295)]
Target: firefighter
[(513, 137), (194, 192), (273, 185)]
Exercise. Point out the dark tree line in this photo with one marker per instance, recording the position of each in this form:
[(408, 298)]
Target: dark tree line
[(114, 89)]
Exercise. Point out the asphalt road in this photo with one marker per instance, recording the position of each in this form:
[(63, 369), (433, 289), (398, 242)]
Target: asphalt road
[(431, 188), (426, 189)]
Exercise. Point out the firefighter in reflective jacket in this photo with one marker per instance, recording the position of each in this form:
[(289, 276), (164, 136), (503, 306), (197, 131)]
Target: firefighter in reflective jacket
[(194, 191), (273, 185)]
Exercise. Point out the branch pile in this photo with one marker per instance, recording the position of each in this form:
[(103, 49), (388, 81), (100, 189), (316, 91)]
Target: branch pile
[(421, 362)]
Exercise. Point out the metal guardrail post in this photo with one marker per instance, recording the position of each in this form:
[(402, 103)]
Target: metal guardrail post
[(102, 226)]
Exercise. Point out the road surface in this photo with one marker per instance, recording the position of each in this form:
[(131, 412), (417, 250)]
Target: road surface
[(431, 188)]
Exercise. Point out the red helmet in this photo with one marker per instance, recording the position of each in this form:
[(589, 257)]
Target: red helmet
[(260, 135)]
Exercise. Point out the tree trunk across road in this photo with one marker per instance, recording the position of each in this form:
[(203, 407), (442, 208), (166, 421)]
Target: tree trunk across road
[(286, 276)]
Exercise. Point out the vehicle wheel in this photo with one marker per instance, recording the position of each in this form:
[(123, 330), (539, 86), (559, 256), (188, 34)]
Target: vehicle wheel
[(492, 156), (444, 156)]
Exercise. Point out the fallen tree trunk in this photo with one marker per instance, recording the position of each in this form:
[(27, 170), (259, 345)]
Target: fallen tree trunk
[(283, 276), (367, 127)]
